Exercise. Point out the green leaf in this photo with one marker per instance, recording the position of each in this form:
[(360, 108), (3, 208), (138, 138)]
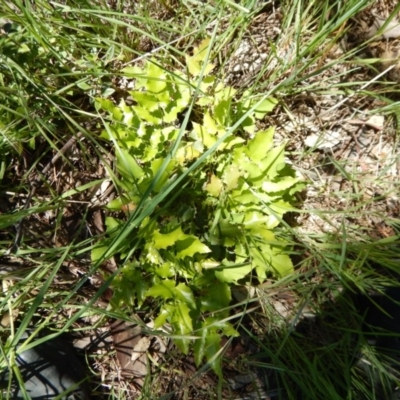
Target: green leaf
[(209, 124), (133, 72), (153, 255), (258, 147), (253, 219), (199, 345), (182, 324), (201, 133), (154, 117), (184, 294), (98, 251), (265, 107), (84, 86), (216, 297), (165, 270), (156, 79), (113, 225), (195, 63), (165, 313), (274, 161), (189, 246), (145, 100), (212, 347), (282, 184), (232, 273), (164, 289), (270, 259), (127, 165), (162, 241), (215, 186), (231, 177), (229, 229), (282, 264)]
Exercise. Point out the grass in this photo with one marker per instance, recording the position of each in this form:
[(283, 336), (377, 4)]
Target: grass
[(57, 58)]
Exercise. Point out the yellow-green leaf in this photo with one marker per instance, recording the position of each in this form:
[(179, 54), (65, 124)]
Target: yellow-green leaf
[(283, 183), (215, 186), (164, 289), (258, 147), (164, 240), (190, 246), (231, 272)]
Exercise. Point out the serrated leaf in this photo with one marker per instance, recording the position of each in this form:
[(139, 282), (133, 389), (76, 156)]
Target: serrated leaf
[(184, 294), (265, 107), (284, 183), (164, 240), (215, 186), (282, 264), (231, 273), (154, 117), (199, 346), (227, 228), (195, 63), (186, 153), (165, 270), (164, 289), (171, 113), (200, 133), (249, 124), (156, 80), (182, 324), (231, 177), (261, 230), (212, 347), (258, 147), (270, 259), (105, 104), (155, 166), (113, 225), (210, 124), (153, 255), (230, 142), (190, 246), (254, 218), (145, 100), (165, 313), (205, 101), (274, 161), (216, 297), (279, 208), (244, 197)]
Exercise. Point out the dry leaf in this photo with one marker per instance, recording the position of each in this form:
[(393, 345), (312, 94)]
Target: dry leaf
[(125, 337)]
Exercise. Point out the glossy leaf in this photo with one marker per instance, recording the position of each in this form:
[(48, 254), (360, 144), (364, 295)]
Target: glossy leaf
[(189, 246), (182, 324), (185, 295), (164, 289)]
